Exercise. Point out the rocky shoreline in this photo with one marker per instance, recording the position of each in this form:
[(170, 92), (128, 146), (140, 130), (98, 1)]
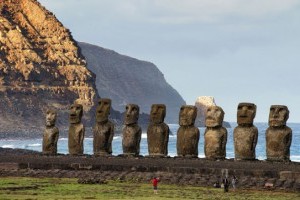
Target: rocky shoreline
[(183, 171)]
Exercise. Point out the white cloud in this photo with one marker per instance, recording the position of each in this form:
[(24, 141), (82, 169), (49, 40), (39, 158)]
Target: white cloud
[(188, 11), (176, 11)]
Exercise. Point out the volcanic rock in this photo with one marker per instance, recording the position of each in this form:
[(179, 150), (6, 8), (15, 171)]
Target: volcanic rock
[(41, 67)]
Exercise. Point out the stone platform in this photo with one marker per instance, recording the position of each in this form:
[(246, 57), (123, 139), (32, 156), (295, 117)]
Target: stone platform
[(184, 171)]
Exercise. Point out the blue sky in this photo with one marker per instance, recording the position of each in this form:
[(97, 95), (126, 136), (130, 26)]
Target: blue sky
[(234, 50)]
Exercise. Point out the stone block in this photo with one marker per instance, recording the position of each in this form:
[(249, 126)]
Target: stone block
[(289, 175), (279, 183), (288, 184), (44, 166), (297, 186), (9, 166)]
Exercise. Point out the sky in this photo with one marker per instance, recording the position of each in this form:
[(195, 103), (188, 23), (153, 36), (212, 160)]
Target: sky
[(234, 50)]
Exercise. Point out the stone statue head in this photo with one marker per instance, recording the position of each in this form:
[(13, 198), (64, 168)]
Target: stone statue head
[(76, 111), (50, 118), (279, 114), (246, 113), (103, 110), (158, 113), (131, 114), (214, 116), (187, 115)]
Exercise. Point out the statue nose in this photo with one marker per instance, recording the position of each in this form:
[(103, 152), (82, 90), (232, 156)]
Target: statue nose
[(275, 114), (244, 110)]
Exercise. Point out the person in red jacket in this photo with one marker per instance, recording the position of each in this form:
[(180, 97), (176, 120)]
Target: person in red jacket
[(155, 181)]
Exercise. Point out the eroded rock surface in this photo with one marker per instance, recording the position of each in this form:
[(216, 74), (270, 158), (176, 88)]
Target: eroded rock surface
[(187, 134), (215, 135), (76, 130), (51, 134), (41, 67), (103, 130), (245, 134), (278, 135), (158, 131), (132, 132)]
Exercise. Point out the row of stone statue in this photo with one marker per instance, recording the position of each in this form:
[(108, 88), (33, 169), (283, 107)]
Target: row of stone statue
[(278, 135)]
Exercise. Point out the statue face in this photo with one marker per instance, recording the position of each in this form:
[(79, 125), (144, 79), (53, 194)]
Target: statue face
[(214, 116), (278, 116), (76, 111), (131, 114), (246, 113), (158, 113), (187, 115), (50, 118), (103, 110)]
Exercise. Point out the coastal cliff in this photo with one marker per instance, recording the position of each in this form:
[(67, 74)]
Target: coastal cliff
[(129, 80), (41, 67)]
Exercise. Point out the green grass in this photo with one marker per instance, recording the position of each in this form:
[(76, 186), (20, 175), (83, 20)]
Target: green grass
[(56, 188)]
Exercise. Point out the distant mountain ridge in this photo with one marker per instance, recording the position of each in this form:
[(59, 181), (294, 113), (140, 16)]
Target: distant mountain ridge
[(42, 67), (128, 80)]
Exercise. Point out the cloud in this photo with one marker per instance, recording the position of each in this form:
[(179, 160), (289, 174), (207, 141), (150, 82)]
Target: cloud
[(174, 11), (191, 11)]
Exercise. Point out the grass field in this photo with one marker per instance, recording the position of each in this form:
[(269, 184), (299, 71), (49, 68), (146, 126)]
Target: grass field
[(55, 188)]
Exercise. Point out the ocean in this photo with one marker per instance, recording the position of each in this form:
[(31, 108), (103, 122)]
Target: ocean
[(36, 144)]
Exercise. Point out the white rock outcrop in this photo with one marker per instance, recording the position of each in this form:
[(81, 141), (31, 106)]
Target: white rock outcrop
[(202, 103)]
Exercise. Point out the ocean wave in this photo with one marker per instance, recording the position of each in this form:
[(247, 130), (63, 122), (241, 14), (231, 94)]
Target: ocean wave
[(34, 145), (8, 146), (295, 158), (201, 156), (117, 137), (261, 158), (172, 154), (9, 140)]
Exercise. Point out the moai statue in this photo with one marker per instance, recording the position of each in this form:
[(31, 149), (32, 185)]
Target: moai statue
[(51, 134), (215, 135), (76, 130), (103, 131), (132, 132), (187, 134), (278, 135), (158, 131), (245, 134)]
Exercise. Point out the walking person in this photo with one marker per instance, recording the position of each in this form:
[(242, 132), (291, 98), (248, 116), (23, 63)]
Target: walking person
[(234, 181), (226, 184), (155, 181)]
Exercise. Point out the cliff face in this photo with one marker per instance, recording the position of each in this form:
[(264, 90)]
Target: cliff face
[(128, 80), (41, 67)]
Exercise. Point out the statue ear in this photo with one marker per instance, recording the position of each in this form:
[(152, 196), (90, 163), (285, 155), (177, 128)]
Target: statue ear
[(254, 108), (287, 114)]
